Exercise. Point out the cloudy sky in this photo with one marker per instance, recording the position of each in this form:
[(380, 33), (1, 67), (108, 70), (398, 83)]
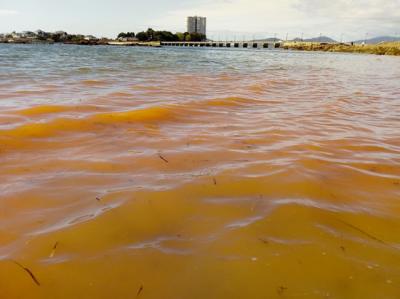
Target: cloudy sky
[(226, 18)]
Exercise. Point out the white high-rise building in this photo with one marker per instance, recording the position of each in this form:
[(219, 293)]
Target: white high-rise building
[(197, 25)]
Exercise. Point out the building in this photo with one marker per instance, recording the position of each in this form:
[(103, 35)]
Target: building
[(197, 25), (61, 34), (127, 39), (90, 37), (28, 34), (41, 33)]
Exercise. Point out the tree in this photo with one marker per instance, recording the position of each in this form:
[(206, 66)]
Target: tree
[(197, 37), (164, 36), (142, 36), (180, 36), (150, 34), (126, 35), (122, 35), (56, 37)]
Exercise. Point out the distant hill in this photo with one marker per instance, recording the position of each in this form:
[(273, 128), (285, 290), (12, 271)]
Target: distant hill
[(379, 39), (319, 39), (271, 39)]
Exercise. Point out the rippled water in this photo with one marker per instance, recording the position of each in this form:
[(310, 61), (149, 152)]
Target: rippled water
[(198, 173)]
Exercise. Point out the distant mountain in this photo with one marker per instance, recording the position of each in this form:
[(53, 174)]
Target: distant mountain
[(379, 39), (271, 39), (319, 39)]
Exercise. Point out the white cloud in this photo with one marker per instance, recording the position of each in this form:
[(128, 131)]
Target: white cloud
[(353, 18), (352, 9)]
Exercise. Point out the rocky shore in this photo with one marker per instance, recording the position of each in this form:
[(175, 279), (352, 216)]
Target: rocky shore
[(389, 48), (97, 42)]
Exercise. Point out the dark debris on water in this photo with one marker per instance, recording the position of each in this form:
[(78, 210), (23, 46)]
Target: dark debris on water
[(140, 291), (30, 273), (162, 158)]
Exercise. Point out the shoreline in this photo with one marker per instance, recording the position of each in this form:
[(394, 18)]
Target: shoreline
[(86, 43), (387, 48)]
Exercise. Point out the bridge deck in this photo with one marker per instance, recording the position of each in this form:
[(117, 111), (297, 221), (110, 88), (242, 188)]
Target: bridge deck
[(226, 44)]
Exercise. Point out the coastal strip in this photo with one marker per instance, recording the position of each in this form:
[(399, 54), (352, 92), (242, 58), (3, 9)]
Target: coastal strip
[(386, 48), (151, 38)]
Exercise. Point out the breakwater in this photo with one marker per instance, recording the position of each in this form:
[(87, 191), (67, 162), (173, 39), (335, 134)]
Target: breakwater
[(226, 44), (388, 48)]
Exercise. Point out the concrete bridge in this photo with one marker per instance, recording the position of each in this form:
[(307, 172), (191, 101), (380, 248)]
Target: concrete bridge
[(226, 44)]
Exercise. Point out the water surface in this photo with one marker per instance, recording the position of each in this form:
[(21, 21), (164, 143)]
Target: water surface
[(198, 173)]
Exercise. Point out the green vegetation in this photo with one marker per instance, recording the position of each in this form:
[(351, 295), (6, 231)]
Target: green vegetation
[(126, 35), (149, 37), (191, 37), (74, 38), (166, 36)]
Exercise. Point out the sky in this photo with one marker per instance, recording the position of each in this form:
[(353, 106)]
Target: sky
[(226, 19)]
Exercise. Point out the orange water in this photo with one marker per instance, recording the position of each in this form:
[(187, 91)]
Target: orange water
[(198, 174)]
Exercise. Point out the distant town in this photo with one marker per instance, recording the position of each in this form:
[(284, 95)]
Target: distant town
[(196, 31), (40, 36)]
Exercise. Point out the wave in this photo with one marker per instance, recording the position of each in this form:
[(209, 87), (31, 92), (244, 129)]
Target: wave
[(97, 121), (52, 109), (90, 123)]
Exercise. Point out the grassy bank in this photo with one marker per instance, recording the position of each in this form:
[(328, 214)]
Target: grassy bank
[(390, 48)]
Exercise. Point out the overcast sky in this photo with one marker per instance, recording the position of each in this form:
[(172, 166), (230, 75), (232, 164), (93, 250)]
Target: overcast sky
[(226, 18)]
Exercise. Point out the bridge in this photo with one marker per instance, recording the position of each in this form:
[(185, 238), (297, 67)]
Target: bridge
[(226, 44)]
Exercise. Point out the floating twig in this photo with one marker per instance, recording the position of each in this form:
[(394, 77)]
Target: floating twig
[(98, 198), (365, 233), (139, 291), (263, 240), (53, 252), (162, 158), (28, 271), (215, 181), (281, 289)]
